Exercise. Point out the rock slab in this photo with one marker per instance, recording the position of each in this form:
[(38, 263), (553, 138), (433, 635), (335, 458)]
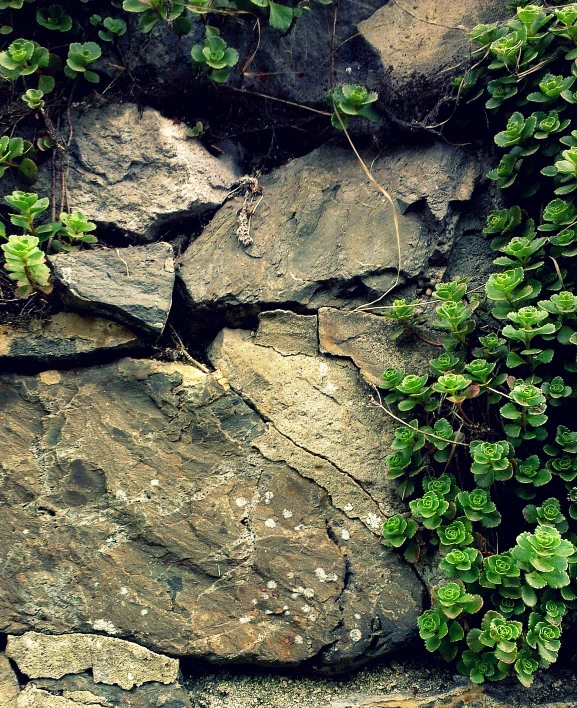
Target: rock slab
[(9, 686), (133, 285), (323, 236), (141, 464), (113, 661), (137, 173), (66, 338)]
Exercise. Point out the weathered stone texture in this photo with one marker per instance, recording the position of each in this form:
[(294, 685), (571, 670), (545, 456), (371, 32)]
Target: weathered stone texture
[(137, 172), (66, 338), (112, 661), (136, 503), (133, 285), (323, 236)]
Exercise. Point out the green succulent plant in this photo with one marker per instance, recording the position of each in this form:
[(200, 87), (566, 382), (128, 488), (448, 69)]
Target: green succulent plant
[(80, 56), (438, 634), (53, 17), (548, 513), (17, 154), (429, 509), (491, 462), (499, 634), (153, 11), (480, 667), (543, 556), (544, 637), (500, 570), (462, 563), (215, 58), (113, 29), (477, 506), (352, 100), (457, 534), (34, 98), (397, 530), (22, 58), (26, 264), (452, 599)]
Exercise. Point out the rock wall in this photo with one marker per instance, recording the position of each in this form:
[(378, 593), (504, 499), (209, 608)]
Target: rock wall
[(160, 510)]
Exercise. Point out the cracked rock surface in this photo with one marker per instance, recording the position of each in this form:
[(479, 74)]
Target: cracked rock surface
[(135, 171), (133, 287), (9, 686), (143, 500), (66, 338), (80, 691), (324, 237), (112, 661)]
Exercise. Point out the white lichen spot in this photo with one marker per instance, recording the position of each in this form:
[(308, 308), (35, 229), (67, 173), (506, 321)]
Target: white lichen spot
[(309, 593), (241, 501), (265, 596), (130, 676), (25, 532), (245, 620), (271, 585), (286, 612), (120, 494), (255, 601), (285, 607), (144, 612), (345, 535), (124, 591), (306, 609), (155, 483), (290, 575), (355, 635), (357, 616), (298, 639), (348, 507), (102, 625), (299, 527), (268, 497), (268, 612), (373, 521), (312, 618), (270, 523), (287, 513)]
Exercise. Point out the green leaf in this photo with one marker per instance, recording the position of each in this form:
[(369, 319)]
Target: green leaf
[(29, 170), (135, 6), (280, 16)]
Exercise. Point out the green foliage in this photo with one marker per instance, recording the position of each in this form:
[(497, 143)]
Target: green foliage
[(17, 154), (352, 100), (54, 18), (214, 57), (80, 56), (26, 264), (503, 387)]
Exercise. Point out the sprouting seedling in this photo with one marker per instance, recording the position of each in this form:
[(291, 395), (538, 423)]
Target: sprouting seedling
[(79, 57), (22, 58), (26, 264), (352, 100), (34, 99), (196, 130), (214, 57)]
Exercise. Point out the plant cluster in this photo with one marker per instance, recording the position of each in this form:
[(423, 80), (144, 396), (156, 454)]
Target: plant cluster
[(488, 422)]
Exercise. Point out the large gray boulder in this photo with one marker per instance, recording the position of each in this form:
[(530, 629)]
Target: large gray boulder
[(323, 236), (144, 500), (136, 172)]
